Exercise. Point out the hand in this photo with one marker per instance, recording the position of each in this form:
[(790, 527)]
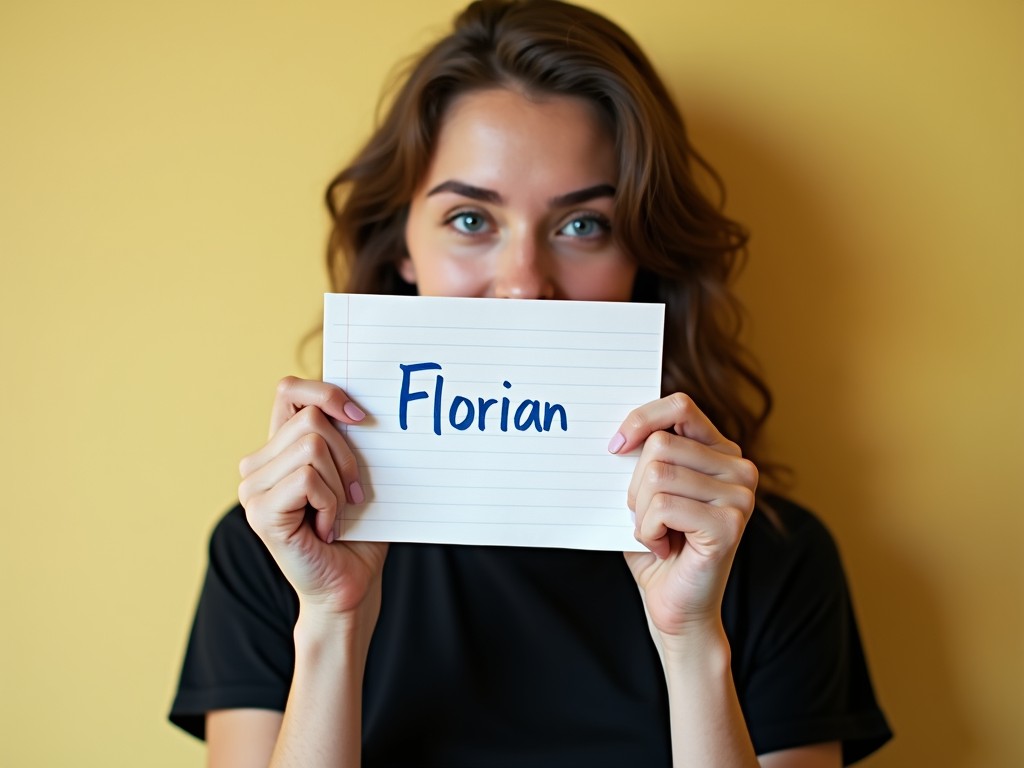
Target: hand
[(692, 493), (306, 461)]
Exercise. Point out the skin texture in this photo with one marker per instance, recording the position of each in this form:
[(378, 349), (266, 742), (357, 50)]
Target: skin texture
[(487, 222)]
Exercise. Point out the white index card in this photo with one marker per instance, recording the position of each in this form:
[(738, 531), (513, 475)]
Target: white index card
[(489, 419)]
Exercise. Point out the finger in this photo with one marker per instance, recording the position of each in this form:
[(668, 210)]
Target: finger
[(659, 477), (294, 394), (310, 449), (666, 482), (676, 412), (301, 487), (713, 531), (310, 420), (666, 448)]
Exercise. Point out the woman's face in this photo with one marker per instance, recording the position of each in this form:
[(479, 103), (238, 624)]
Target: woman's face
[(518, 203)]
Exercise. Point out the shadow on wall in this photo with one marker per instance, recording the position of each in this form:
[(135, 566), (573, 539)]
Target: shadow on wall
[(801, 292)]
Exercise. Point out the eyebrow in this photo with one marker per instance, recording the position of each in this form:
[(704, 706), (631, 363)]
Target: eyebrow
[(490, 196), (583, 195)]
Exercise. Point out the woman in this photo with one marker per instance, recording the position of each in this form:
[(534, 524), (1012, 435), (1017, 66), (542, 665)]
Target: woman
[(534, 154)]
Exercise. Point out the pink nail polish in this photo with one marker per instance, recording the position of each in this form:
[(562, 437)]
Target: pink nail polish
[(616, 443), (355, 490), (354, 412)]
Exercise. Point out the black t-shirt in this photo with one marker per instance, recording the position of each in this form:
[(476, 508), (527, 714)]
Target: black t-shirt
[(491, 656)]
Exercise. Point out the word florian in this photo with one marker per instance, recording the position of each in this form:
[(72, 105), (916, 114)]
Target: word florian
[(463, 412)]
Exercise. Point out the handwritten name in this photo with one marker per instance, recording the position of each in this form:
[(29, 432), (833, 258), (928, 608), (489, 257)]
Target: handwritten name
[(464, 412)]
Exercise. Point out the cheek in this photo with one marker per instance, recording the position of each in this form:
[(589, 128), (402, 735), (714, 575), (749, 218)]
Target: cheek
[(439, 273), (603, 281), (432, 267)]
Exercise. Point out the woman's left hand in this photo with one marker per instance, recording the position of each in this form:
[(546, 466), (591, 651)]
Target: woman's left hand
[(692, 492)]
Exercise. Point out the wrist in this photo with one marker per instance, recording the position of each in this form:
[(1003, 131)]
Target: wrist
[(319, 633), (704, 645), (324, 709)]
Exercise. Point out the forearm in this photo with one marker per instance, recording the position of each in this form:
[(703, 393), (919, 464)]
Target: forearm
[(322, 723), (707, 723)]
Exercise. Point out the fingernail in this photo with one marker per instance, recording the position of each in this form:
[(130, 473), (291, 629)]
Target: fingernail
[(356, 492), (330, 535), (616, 442), (354, 412)]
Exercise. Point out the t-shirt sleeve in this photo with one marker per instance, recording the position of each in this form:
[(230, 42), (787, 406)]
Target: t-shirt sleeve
[(240, 652), (805, 678)]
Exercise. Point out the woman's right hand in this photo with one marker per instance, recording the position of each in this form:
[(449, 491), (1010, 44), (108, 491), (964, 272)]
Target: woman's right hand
[(306, 461)]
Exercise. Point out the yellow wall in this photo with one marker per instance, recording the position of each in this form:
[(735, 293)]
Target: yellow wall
[(161, 168)]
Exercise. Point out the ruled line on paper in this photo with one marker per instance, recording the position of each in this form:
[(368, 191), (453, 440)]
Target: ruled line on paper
[(504, 329), (437, 485), (524, 383), (483, 346), (538, 471), (420, 520), (532, 365)]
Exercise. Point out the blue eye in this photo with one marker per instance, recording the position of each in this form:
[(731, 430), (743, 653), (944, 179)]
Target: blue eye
[(585, 226), (468, 222)]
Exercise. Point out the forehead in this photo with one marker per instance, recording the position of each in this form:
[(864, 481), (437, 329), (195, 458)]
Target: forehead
[(504, 135)]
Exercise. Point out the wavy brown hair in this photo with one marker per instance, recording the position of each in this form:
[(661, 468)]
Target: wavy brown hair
[(687, 250)]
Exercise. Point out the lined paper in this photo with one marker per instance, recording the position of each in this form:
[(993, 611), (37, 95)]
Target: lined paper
[(514, 452)]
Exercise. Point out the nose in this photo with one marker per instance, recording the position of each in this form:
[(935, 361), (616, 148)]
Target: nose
[(523, 271)]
